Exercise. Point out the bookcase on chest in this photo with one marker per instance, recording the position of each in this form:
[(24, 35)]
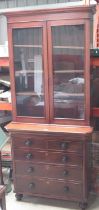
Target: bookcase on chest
[(51, 133)]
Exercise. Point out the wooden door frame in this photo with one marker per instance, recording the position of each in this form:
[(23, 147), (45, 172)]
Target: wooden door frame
[(12, 76), (86, 119)]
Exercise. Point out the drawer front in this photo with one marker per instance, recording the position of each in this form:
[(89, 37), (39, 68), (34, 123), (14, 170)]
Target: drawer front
[(50, 157), (63, 144), (47, 142), (29, 141), (46, 170), (48, 187)]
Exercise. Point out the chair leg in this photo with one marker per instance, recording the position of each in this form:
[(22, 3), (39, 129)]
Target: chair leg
[(10, 174), (3, 202)]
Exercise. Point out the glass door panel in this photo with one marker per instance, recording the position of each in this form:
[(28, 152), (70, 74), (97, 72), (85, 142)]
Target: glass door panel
[(68, 71), (29, 72)]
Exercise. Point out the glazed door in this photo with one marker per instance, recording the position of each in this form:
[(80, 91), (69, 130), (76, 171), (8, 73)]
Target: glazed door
[(30, 63), (68, 68)]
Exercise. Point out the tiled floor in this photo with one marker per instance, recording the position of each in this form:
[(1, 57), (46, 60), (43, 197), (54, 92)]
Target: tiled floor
[(45, 204)]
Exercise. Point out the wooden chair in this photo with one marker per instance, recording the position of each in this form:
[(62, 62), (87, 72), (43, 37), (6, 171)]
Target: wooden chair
[(2, 188), (3, 140), (2, 197)]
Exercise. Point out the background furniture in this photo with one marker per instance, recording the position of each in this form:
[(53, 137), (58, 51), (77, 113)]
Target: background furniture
[(3, 140), (5, 160), (4, 75), (95, 114), (2, 197)]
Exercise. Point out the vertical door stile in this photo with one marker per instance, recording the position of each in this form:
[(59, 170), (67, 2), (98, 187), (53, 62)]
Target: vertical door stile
[(12, 73), (46, 73), (50, 69), (87, 70)]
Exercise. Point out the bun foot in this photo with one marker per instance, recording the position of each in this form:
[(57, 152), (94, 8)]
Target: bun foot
[(19, 197), (83, 206)]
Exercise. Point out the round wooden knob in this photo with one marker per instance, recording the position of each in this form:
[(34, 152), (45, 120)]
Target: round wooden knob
[(29, 156), (64, 159), (66, 189), (31, 185), (64, 145), (30, 169), (65, 173), (28, 142)]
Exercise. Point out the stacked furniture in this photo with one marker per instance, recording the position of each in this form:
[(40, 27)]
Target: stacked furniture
[(3, 141), (95, 115), (2, 197)]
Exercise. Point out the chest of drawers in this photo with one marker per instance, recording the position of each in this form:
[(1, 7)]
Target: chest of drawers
[(51, 164)]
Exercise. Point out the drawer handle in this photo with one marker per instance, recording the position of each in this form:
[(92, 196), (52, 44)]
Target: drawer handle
[(65, 173), (29, 156), (65, 159), (28, 142), (64, 145), (31, 185), (66, 189), (30, 169)]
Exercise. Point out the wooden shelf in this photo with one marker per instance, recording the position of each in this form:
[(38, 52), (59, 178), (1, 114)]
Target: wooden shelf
[(17, 45), (27, 93), (63, 94), (69, 94), (17, 73), (68, 71), (69, 47), (5, 106)]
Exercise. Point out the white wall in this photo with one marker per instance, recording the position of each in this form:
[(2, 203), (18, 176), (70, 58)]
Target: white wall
[(3, 37)]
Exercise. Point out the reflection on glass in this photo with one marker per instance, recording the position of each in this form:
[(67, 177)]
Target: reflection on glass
[(28, 71), (68, 71), (39, 2)]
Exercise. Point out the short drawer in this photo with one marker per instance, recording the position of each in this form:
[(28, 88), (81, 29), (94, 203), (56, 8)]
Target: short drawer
[(50, 157), (29, 141), (48, 187), (65, 145), (47, 170)]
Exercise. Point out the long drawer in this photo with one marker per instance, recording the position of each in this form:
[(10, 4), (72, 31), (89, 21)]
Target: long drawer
[(46, 170), (47, 142), (49, 157), (49, 187)]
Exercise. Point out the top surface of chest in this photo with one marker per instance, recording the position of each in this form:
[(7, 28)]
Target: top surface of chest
[(48, 128)]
